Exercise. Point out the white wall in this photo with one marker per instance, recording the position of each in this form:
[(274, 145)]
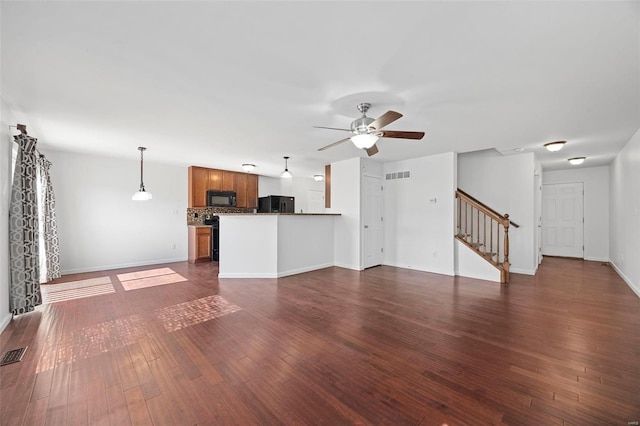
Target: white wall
[(6, 146), (297, 187), (345, 199), (248, 246), (418, 232), (624, 230), (469, 264), (506, 184), (305, 243), (596, 206), (100, 227)]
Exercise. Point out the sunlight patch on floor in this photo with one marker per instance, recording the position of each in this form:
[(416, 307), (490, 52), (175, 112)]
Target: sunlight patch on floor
[(149, 278), (196, 311), (107, 336), (53, 293)]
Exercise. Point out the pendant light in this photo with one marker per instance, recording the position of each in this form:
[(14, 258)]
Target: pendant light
[(141, 195), (286, 173)]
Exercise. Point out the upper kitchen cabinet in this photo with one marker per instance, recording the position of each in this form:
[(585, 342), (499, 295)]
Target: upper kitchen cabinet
[(198, 186), (215, 179), (229, 180), (202, 179), (240, 188), (252, 191)]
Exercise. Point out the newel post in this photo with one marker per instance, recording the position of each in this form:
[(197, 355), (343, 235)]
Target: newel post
[(506, 248)]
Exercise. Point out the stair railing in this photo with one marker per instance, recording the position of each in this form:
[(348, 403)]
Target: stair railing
[(485, 231)]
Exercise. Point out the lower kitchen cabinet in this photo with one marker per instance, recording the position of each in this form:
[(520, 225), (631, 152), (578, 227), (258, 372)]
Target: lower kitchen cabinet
[(199, 244)]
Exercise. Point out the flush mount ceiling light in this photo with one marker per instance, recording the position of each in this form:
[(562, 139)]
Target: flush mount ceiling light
[(554, 146), (141, 195), (286, 173), (318, 178), (577, 160), (248, 167)]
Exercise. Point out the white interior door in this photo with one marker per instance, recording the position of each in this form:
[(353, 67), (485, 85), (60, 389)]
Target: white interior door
[(563, 220), (315, 201), (372, 222)]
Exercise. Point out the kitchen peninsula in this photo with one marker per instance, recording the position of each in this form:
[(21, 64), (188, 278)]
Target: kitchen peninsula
[(266, 245)]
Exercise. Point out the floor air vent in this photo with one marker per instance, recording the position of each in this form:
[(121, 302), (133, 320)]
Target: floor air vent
[(14, 355)]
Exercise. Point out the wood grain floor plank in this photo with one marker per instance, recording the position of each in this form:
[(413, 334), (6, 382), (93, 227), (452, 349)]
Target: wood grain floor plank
[(98, 408), (381, 346), (36, 413), (137, 407), (117, 403)]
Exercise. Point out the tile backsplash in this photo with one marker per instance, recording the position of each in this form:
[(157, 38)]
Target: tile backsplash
[(195, 215)]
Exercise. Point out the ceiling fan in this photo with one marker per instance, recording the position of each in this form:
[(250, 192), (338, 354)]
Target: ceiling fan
[(366, 131)]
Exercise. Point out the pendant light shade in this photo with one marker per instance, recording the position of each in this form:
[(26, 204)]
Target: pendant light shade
[(286, 173), (142, 194), (364, 141)]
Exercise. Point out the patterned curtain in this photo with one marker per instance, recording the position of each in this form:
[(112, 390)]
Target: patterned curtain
[(48, 219), (24, 290)]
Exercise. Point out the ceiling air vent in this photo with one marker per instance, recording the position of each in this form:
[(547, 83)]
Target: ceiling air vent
[(398, 175)]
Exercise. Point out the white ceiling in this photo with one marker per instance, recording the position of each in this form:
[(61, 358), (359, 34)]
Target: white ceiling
[(223, 83)]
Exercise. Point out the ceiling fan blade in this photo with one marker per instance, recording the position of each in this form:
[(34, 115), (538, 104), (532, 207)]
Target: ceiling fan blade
[(386, 118), (330, 128), (372, 151), (333, 144), (401, 135)]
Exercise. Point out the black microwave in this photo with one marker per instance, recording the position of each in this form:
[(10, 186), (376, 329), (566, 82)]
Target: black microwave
[(221, 199)]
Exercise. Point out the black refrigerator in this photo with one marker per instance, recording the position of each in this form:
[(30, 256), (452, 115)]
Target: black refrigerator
[(276, 204)]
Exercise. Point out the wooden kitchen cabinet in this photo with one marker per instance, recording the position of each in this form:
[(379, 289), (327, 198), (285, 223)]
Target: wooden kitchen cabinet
[(198, 185), (215, 179), (240, 187), (252, 191), (199, 244), (229, 180), (202, 179)]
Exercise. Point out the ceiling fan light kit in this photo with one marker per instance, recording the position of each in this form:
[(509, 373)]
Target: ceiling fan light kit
[(142, 194), (367, 131), (364, 141), (554, 146)]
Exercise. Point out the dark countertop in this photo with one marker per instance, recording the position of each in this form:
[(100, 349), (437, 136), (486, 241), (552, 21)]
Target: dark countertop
[(199, 224)]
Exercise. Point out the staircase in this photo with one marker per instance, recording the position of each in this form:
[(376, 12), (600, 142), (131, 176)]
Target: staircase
[(484, 231)]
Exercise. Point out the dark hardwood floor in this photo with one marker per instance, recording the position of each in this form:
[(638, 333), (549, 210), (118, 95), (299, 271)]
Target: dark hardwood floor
[(382, 346)]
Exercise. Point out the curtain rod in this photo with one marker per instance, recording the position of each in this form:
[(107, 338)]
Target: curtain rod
[(23, 129)]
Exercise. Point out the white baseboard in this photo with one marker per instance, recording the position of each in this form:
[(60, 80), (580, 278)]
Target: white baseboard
[(122, 265), (274, 275), (596, 259), (303, 270), (346, 266), (5, 321), (248, 275), (632, 286), (449, 273), (522, 271)]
